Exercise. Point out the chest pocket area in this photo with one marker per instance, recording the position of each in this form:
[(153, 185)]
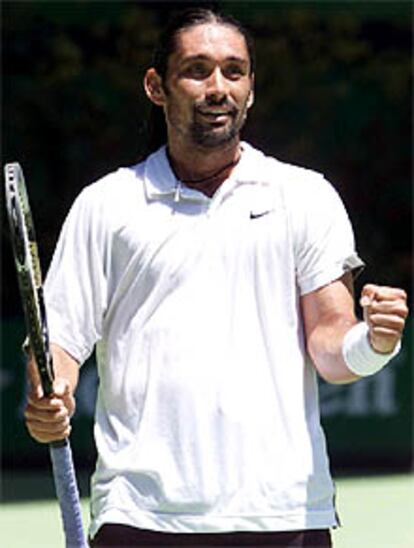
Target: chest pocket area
[(257, 238)]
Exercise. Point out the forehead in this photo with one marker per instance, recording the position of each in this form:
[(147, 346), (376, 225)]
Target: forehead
[(214, 40)]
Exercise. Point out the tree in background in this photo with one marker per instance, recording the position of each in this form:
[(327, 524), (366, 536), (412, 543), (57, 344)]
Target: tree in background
[(333, 93)]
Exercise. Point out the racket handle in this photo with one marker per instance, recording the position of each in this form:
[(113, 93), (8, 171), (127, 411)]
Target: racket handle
[(67, 494)]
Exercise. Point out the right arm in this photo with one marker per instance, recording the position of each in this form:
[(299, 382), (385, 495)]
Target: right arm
[(75, 292), (48, 418)]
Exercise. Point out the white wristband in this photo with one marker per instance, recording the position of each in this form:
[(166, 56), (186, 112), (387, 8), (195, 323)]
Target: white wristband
[(359, 355)]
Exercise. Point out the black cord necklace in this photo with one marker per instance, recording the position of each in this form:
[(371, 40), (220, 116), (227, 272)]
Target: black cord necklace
[(210, 177)]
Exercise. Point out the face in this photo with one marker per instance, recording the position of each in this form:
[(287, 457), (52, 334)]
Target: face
[(208, 86)]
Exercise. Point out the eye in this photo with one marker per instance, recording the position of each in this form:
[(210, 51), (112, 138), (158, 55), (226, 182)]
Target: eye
[(234, 71), (196, 71)]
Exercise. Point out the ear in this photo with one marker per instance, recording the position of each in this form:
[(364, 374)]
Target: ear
[(153, 87), (250, 99)]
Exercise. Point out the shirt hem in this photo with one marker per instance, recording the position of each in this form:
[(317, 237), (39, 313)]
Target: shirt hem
[(167, 523)]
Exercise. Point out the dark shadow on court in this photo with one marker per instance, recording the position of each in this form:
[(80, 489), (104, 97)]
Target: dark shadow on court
[(29, 485)]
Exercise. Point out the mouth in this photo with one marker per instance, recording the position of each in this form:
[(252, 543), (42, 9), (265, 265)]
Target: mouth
[(218, 116)]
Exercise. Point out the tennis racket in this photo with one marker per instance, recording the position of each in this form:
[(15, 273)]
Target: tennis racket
[(30, 284)]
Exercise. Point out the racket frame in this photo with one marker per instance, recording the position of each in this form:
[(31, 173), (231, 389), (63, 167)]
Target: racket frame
[(29, 277)]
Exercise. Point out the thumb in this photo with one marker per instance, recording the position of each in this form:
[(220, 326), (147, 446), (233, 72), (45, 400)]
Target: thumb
[(368, 294), (62, 390), (61, 387)]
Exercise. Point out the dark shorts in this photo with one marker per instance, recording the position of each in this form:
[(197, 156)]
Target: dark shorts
[(122, 535)]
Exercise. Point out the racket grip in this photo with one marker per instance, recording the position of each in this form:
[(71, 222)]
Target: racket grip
[(67, 494)]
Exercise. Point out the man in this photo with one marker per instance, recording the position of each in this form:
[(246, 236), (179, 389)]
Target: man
[(206, 276)]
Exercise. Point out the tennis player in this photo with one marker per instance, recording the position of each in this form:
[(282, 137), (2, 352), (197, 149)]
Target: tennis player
[(215, 283)]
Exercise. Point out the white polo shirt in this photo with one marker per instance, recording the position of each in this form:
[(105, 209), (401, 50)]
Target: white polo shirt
[(207, 415)]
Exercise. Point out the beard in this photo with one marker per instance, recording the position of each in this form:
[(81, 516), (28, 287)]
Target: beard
[(209, 136), (201, 133)]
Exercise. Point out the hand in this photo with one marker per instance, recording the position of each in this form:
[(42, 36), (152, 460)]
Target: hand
[(48, 418), (385, 312)]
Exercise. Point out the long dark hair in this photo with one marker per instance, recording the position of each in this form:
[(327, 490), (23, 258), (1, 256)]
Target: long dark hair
[(191, 17)]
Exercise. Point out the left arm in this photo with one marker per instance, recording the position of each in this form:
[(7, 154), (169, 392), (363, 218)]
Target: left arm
[(328, 314)]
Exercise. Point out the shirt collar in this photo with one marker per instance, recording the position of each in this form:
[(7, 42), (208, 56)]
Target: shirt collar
[(160, 181)]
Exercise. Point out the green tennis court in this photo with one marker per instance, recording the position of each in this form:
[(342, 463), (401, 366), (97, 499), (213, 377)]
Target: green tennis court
[(376, 512)]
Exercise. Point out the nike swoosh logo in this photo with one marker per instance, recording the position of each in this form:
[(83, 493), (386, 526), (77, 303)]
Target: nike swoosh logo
[(261, 214)]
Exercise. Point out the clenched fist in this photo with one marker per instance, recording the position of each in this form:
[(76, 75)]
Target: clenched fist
[(385, 312)]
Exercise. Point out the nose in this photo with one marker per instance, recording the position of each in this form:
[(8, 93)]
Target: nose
[(216, 87)]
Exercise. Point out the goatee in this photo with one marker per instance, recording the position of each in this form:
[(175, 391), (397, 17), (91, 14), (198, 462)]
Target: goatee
[(207, 136)]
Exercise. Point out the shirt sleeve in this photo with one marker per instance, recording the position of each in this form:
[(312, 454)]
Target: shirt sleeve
[(75, 286), (324, 239)]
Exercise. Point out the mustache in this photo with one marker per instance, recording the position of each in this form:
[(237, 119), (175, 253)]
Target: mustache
[(225, 103)]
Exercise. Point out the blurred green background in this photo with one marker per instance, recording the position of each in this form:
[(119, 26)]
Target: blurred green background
[(333, 93)]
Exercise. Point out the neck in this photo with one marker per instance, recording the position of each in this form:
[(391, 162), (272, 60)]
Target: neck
[(204, 170)]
